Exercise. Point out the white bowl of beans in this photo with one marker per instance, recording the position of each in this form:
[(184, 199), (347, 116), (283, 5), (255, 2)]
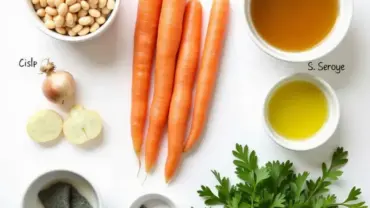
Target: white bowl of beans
[(73, 20)]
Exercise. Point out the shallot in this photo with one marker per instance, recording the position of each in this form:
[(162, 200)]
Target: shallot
[(82, 125), (44, 126), (59, 86)]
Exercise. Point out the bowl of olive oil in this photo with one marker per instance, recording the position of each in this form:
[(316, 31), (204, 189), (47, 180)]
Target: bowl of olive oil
[(298, 30), (301, 112)]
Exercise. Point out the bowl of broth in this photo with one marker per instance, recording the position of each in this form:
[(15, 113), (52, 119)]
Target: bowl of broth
[(298, 30), (301, 112)]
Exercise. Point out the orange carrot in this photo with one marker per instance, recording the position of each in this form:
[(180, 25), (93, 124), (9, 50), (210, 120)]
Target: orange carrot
[(168, 43), (187, 64), (144, 47), (207, 76)]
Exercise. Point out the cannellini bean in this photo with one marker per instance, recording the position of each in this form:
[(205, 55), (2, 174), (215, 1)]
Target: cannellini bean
[(61, 30), (47, 17), (43, 3), (69, 20), (111, 4), (51, 11), (51, 3), (105, 11), (77, 28), (100, 20), (94, 13), (102, 3), (85, 20), (37, 6), (92, 21), (58, 3), (71, 33), (70, 2), (75, 8), (82, 13), (41, 12), (35, 1), (84, 31), (91, 2), (85, 6), (50, 24), (63, 9), (59, 21), (94, 27), (75, 18)]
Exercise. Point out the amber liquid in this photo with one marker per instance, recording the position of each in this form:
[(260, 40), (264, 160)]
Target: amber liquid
[(294, 25)]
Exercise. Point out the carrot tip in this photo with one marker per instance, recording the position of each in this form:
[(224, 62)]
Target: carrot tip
[(138, 171), (168, 180), (146, 176), (148, 169), (139, 161)]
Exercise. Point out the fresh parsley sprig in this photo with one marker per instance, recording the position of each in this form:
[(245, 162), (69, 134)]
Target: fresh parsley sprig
[(276, 185)]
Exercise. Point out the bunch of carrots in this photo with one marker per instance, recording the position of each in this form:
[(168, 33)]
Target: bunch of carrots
[(169, 33)]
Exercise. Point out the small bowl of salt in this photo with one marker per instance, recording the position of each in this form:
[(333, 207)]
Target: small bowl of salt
[(153, 201), (61, 188)]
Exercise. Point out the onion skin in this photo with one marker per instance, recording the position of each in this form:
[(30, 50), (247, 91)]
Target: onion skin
[(59, 86)]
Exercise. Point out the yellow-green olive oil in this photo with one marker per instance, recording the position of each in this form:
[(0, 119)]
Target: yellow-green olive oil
[(297, 110)]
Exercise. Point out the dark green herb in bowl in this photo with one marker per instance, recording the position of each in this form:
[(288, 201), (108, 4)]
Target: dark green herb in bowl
[(62, 195)]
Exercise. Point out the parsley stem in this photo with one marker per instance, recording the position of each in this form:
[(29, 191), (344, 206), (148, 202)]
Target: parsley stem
[(319, 184), (253, 197)]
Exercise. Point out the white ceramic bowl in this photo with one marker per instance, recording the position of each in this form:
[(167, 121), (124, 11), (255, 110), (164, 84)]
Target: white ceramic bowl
[(326, 46), (40, 24), (153, 200), (31, 200), (328, 129)]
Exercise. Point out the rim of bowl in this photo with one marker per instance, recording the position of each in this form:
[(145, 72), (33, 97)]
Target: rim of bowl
[(39, 23), (152, 196), (326, 46), (55, 171), (325, 132)]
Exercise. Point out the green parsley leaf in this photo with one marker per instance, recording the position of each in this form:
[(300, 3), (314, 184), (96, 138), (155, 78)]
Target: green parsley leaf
[(209, 196), (299, 185), (276, 185), (278, 201)]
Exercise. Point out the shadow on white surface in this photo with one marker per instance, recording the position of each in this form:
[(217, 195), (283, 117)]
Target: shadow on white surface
[(52, 143), (344, 54), (68, 104), (314, 158), (102, 50)]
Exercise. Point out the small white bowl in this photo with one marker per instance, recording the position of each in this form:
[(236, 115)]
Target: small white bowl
[(327, 45), (40, 24), (153, 201), (86, 189), (326, 131)]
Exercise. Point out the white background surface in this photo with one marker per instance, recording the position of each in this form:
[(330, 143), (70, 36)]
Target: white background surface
[(102, 69)]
